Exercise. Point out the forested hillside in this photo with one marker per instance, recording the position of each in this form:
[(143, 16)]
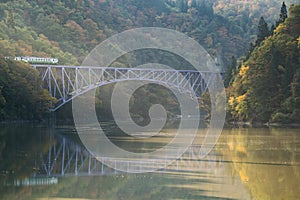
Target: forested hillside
[(266, 87), (69, 29), (240, 10), (20, 94)]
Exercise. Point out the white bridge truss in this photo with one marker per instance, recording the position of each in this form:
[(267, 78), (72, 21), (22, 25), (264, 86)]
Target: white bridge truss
[(67, 158), (67, 82)]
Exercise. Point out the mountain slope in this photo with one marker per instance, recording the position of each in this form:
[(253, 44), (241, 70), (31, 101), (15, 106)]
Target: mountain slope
[(267, 85), (20, 94), (68, 29)]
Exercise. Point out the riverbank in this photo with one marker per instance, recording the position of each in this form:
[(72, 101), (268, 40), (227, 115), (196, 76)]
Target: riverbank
[(260, 124), (49, 121)]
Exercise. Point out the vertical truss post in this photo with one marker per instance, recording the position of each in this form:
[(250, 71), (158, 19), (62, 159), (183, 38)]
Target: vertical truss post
[(63, 84), (89, 169), (90, 77), (49, 162), (76, 80), (63, 158), (76, 160), (49, 80)]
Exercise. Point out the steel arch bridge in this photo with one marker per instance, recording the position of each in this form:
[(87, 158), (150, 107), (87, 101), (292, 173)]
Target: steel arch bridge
[(67, 82), (68, 158)]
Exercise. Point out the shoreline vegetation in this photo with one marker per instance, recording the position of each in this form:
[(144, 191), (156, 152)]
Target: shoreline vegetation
[(259, 125), (265, 86), (228, 124)]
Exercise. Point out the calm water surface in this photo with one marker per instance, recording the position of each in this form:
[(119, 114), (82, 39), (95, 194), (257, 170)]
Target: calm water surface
[(39, 162)]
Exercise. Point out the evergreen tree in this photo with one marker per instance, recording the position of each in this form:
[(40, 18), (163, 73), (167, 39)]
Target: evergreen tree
[(194, 4), (267, 86), (250, 50), (201, 7), (184, 6), (263, 31), (205, 8), (283, 13), (230, 71), (273, 27), (10, 20), (295, 85)]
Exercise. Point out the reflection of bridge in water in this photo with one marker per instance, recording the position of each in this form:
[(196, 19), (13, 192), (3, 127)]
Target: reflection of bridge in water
[(67, 158), (67, 82)]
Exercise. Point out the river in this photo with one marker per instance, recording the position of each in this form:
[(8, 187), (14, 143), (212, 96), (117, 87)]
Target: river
[(46, 162)]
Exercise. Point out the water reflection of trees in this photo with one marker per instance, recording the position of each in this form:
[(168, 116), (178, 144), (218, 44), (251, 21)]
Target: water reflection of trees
[(266, 160), (185, 182), (19, 145)]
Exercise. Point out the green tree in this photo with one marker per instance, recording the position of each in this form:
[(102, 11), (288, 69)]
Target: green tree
[(194, 4), (283, 13), (266, 87), (230, 71), (20, 94), (182, 5), (263, 31), (205, 8), (295, 85), (10, 20)]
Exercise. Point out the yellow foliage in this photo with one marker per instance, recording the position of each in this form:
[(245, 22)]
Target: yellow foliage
[(244, 69), (243, 175), (298, 41), (241, 149), (231, 146), (43, 37), (231, 101), (241, 98), (280, 28), (24, 48)]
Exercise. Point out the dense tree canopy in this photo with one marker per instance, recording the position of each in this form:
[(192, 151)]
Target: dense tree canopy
[(61, 28), (263, 31), (68, 30), (266, 86), (20, 94)]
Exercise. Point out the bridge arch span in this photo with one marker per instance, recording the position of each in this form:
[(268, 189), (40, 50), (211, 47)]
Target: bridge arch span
[(65, 83)]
